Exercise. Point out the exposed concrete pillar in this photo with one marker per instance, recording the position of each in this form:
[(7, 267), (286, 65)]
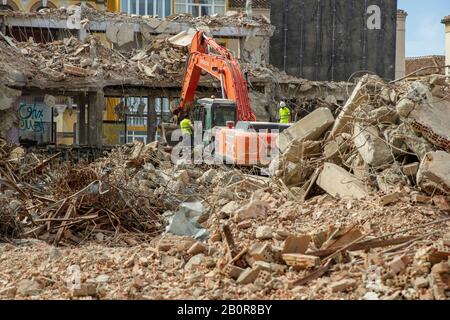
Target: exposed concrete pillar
[(151, 119), (400, 65), (82, 129), (249, 8), (446, 22), (96, 105)]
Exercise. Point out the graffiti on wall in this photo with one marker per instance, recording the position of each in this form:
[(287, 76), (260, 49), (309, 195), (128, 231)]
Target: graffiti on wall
[(31, 118)]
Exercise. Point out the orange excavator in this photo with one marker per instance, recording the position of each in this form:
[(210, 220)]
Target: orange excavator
[(228, 122)]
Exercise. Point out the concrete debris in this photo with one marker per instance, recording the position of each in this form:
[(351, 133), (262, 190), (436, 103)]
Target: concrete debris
[(264, 233), (343, 285), (312, 127), (253, 210), (341, 184), (373, 149), (8, 97), (183, 39), (185, 221), (434, 172), (354, 208)]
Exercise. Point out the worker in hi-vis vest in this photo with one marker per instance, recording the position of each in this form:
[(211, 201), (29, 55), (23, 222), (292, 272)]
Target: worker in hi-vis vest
[(285, 113), (186, 126)]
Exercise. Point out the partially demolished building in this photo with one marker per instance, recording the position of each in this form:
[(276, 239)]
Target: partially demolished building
[(91, 57)]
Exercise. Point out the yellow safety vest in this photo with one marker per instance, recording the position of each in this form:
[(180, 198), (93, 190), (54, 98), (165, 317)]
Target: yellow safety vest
[(186, 126), (285, 113)]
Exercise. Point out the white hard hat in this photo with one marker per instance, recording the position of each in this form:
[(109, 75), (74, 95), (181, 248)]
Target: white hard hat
[(282, 104)]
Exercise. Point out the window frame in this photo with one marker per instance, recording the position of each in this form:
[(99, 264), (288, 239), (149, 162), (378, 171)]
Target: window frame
[(134, 8), (191, 3)]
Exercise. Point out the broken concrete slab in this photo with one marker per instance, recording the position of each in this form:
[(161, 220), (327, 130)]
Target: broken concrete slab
[(390, 178), (230, 208), (183, 39), (343, 285), (300, 149), (405, 106), (345, 117), (360, 168), (372, 148), (311, 127), (8, 97), (252, 210), (111, 32), (431, 119), (249, 275), (411, 169), (163, 26), (339, 183), (418, 145), (120, 33), (264, 233), (153, 22), (389, 198), (434, 172)]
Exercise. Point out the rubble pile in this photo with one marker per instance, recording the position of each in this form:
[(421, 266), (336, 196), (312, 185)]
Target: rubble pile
[(262, 245), (385, 137), (161, 60), (71, 59), (64, 204), (236, 20), (82, 15)]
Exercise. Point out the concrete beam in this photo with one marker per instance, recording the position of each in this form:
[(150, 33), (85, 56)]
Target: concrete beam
[(171, 28), (151, 119), (82, 128), (339, 183), (95, 122)]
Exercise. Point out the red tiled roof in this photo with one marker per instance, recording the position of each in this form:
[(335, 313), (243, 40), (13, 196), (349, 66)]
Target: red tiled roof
[(257, 4), (416, 63)]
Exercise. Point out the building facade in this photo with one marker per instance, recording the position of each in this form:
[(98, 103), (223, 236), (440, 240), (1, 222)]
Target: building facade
[(164, 8), (446, 22), (36, 5), (333, 39)]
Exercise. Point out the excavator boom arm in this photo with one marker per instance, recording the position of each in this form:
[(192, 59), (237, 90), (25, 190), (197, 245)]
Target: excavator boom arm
[(222, 66)]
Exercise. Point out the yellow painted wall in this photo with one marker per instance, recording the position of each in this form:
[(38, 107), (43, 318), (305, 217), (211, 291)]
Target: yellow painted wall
[(27, 5), (114, 5), (65, 122), (110, 115)]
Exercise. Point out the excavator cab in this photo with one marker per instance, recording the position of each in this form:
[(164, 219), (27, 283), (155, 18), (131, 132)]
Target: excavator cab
[(214, 113)]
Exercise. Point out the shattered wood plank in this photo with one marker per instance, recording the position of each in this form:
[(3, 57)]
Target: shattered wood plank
[(300, 261), (333, 255), (76, 71), (369, 244), (295, 244), (311, 183), (406, 244), (351, 235), (239, 260), (313, 275), (41, 165), (63, 225), (12, 184), (53, 74), (227, 235)]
